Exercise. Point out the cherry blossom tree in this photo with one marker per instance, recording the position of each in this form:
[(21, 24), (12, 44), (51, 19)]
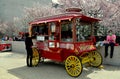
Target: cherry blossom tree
[(106, 10), (30, 13), (8, 28), (35, 12)]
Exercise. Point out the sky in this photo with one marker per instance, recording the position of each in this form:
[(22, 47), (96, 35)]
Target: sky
[(55, 1), (14, 8)]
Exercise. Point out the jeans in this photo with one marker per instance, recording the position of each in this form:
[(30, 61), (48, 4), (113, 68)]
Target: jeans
[(111, 51), (29, 57)]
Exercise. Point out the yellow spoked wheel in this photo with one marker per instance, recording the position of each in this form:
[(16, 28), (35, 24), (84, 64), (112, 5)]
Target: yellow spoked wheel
[(73, 66), (96, 59), (36, 57)]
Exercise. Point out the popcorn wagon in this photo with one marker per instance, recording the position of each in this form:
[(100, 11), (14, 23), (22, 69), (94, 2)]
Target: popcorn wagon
[(65, 38)]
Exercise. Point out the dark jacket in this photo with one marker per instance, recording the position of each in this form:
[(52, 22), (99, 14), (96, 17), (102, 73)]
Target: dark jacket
[(28, 42)]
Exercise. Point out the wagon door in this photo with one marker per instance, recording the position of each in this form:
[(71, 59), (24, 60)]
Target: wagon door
[(53, 43)]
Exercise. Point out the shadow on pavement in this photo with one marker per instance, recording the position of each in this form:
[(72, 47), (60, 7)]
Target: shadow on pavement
[(47, 70), (111, 68)]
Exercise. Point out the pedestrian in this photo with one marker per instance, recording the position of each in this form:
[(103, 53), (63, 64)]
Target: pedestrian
[(29, 44), (110, 41)]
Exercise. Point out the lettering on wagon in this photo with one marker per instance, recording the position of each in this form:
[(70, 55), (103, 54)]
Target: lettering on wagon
[(84, 47)]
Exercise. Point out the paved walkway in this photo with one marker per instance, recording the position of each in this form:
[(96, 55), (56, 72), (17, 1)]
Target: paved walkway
[(10, 60), (13, 66)]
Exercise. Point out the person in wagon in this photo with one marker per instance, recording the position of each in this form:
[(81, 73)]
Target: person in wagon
[(110, 41)]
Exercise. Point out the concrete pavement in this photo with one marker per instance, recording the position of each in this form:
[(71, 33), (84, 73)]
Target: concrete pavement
[(10, 60), (13, 66)]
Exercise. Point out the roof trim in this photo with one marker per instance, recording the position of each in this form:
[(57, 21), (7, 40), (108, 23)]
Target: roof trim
[(64, 17)]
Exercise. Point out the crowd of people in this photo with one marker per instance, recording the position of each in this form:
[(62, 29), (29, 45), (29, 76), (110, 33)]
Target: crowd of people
[(14, 38)]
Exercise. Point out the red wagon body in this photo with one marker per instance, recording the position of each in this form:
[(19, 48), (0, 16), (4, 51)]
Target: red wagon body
[(65, 38)]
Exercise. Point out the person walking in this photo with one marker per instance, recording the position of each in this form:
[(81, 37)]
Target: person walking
[(110, 41), (29, 44)]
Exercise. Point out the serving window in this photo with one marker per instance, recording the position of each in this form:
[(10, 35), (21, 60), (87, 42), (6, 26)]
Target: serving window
[(83, 31), (40, 31), (66, 31)]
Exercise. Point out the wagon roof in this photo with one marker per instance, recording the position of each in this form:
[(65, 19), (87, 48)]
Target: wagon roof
[(64, 17)]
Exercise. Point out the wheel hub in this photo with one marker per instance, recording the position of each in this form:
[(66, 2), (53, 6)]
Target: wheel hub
[(72, 66)]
